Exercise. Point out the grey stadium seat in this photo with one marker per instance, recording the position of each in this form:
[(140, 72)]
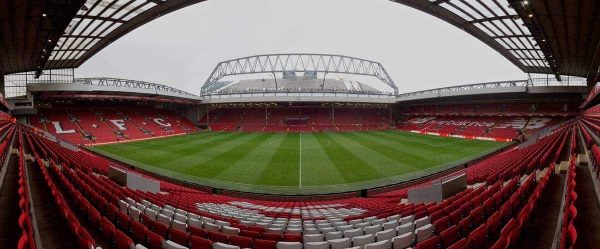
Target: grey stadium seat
[(316, 245), (403, 241), (384, 244), (289, 245), (340, 243)]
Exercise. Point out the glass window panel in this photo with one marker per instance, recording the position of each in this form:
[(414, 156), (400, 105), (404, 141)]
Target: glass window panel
[(527, 43), (493, 29), (510, 24), (466, 8), (477, 7), (502, 27), (81, 26), (456, 11), (509, 43), (110, 29), (484, 29), (518, 43), (101, 28)]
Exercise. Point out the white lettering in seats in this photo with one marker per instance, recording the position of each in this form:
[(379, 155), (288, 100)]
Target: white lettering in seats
[(119, 123), (161, 122), (59, 129)]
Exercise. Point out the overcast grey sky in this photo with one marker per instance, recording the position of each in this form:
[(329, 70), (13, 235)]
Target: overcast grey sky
[(419, 51)]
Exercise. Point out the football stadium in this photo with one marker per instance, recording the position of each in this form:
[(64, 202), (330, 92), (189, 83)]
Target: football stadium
[(299, 150)]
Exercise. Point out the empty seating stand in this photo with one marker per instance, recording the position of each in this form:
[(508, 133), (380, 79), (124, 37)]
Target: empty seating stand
[(85, 125), (297, 119)]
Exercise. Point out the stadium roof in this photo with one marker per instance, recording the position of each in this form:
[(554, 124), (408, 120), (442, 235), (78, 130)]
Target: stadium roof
[(51, 34), (539, 36)]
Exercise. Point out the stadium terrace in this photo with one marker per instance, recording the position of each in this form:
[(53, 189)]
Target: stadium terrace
[(299, 150)]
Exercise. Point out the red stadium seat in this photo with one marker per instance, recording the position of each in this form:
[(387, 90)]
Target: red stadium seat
[(271, 236), (122, 241), (179, 236), (139, 232), (431, 243), (292, 237), (250, 234), (242, 242), (265, 244), (441, 224), (449, 236), (218, 237), (200, 243), (124, 221), (108, 229), (461, 244), (478, 238), (198, 232), (155, 241)]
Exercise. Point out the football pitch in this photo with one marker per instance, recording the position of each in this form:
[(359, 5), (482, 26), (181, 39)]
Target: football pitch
[(292, 163)]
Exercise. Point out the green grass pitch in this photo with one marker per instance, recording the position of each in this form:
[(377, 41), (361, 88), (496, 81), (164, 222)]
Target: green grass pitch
[(284, 162)]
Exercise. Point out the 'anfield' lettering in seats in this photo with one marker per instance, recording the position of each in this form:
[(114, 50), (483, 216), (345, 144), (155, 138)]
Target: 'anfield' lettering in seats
[(59, 129), (161, 122), (119, 123)]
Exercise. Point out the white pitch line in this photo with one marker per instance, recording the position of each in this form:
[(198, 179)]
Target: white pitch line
[(300, 163)]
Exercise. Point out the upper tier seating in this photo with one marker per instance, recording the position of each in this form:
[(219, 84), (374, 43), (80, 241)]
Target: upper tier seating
[(105, 125)]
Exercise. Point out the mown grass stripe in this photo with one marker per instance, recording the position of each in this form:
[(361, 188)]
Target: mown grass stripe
[(433, 153), (317, 167), (351, 167), (158, 153), (385, 165), (206, 151), (227, 158), (282, 169), (248, 169), (391, 152), (426, 146)]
